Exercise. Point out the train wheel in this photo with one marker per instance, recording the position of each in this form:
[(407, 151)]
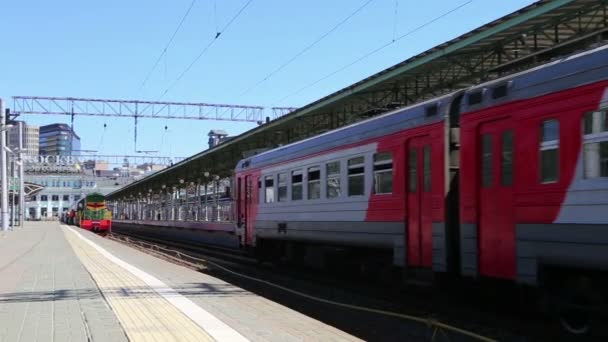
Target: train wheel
[(574, 307)]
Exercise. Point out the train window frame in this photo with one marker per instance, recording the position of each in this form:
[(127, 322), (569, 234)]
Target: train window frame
[(549, 151), (500, 91), (313, 182), (269, 191), (412, 170), (333, 180), (595, 144), (427, 168), (282, 186), (383, 168), (487, 160), (295, 185), (356, 170), (475, 98), (507, 157)]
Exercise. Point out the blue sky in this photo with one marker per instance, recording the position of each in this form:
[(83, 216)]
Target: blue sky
[(105, 49)]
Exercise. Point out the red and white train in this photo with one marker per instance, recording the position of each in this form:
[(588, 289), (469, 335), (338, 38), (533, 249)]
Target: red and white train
[(507, 179)]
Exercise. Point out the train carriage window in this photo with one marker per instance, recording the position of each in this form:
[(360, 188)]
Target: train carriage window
[(314, 183), (383, 173), (486, 160), (595, 144), (426, 168), (507, 158), (282, 188), (475, 98), (333, 179), (549, 151), (356, 176), (296, 185), (499, 91), (412, 170), (269, 189)]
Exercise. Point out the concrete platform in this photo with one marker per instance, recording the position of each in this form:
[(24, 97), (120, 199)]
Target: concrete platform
[(61, 283)]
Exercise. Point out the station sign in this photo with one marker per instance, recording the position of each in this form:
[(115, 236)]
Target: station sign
[(52, 163), (52, 160)]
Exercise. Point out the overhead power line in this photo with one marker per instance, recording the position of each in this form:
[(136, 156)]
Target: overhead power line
[(376, 50), (164, 51), (206, 48), (308, 47)]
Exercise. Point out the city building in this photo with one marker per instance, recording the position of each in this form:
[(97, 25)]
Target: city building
[(93, 164), (30, 138), (58, 139)]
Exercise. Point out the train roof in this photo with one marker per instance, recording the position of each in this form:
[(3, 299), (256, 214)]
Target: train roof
[(419, 114), (567, 72)]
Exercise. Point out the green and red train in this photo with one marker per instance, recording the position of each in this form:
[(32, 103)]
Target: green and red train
[(92, 213)]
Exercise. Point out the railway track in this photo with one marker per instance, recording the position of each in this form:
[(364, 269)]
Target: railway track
[(372, 311)]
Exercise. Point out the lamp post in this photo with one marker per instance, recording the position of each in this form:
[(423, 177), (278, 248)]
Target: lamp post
[(21, 177), (206, 174), (217, 204), (3, 171)]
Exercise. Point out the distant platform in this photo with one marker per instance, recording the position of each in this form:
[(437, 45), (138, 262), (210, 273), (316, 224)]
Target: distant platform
[(65, 284)]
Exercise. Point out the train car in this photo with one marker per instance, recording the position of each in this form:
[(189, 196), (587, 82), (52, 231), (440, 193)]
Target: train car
[(92, 213), (348, 191), (505, 180)]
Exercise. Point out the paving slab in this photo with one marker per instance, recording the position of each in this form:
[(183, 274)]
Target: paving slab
[(45, 292)]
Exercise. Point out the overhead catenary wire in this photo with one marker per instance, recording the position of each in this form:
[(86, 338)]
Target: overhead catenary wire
[(164, 50), (396, 17), (308, 47), (376, 50), (218, 34)]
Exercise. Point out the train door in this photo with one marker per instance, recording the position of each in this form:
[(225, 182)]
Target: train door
[(496, 222), (248, 209), (419, 239)]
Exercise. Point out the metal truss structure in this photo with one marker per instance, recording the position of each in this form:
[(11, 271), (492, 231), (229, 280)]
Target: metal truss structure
[(135, 109), (130, 159), (536, 34)]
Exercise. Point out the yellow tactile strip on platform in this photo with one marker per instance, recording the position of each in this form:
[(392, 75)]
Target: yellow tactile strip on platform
[(143, 313)]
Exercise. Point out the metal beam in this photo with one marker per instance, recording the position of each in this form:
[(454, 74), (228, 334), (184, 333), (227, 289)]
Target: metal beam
[(136, 109)]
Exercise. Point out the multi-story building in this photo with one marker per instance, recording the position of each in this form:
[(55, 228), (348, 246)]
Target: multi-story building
[(58, 139), (30, 138)]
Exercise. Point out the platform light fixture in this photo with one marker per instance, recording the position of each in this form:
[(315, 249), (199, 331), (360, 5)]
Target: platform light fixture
[(206, 174)]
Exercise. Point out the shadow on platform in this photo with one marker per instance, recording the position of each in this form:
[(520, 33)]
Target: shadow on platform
[(189, 290)]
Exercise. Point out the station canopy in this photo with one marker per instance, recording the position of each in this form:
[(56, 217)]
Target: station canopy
[(530, 36)]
